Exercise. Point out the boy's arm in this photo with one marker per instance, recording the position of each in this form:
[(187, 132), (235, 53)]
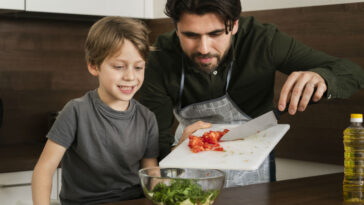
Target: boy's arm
[(149, 162), (44, 170)]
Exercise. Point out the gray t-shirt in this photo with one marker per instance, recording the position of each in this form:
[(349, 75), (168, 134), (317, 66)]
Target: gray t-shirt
[(104, 148)]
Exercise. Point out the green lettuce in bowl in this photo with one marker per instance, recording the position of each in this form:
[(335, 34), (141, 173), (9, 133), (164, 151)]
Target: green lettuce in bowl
[(175, 186)]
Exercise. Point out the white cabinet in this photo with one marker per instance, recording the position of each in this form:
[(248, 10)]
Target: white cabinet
[(15, 188), (12, 4), (127, 8), (255, 5), (154, 9)]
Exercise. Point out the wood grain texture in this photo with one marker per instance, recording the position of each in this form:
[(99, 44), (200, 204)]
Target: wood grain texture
[(19, 157), (42, 67)]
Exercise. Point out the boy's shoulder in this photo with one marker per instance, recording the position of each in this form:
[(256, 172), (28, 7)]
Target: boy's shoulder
[(78, 103), (143, 109)]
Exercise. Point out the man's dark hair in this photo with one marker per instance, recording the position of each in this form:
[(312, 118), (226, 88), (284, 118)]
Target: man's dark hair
[(229, 10)]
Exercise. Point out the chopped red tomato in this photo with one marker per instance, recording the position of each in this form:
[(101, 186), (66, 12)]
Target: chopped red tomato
[(208, 141), (218, 149), (195, 141), (197, 149), (225, 131)]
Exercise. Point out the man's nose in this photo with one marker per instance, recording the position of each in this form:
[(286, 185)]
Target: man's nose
[(203, 46)]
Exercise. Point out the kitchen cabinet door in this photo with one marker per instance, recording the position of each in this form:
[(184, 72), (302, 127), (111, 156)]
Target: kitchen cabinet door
[(154, 9), (256, 5), (127, 8), (12, 4), (15, 188)]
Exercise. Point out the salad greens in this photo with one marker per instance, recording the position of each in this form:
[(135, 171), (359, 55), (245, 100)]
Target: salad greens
[(182, 192)]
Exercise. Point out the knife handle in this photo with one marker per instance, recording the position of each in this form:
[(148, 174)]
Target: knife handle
[(278, 113)]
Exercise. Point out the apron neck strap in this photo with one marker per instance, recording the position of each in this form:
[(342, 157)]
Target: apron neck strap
[(229, 76), (182, 84)]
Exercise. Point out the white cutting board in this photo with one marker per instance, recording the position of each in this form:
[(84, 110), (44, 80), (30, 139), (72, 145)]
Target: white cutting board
[(247, 154)]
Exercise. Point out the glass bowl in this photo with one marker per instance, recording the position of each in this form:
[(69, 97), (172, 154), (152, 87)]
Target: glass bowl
[(171, 186)]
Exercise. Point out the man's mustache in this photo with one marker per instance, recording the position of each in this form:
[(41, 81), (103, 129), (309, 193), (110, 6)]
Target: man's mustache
[(208, 55)]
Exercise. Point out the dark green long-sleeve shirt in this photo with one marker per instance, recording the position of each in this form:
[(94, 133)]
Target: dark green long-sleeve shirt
[(258, 51)]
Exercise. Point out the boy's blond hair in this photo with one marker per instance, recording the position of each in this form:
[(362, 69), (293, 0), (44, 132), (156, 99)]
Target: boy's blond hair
[(107, 35)]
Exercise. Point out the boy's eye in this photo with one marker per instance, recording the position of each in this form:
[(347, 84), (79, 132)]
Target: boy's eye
[(139, 67), (118, 66)]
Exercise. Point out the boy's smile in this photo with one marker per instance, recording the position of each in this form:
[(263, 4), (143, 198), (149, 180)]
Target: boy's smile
[(120, 76), (126, 89)]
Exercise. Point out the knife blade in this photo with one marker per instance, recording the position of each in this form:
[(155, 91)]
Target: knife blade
[(251, 127)]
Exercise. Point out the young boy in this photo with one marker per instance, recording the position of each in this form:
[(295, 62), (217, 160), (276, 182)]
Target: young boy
[(104, 137)]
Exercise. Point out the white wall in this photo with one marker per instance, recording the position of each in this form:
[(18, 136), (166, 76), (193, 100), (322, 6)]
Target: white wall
[(254, 5)]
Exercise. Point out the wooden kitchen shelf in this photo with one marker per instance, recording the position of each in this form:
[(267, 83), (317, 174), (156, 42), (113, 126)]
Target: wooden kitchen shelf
[(19, 157)]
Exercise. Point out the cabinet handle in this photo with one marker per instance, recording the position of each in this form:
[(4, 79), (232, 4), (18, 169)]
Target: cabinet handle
[(14, 185)]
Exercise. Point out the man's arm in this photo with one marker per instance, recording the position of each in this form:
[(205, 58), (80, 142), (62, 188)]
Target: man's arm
[(318, 74)]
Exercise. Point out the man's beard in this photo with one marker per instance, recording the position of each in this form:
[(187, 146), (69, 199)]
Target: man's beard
[(205, 67), (208, 68)]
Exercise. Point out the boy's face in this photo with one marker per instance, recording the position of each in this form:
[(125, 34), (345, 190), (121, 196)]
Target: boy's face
[(203, 39), (120, 76)]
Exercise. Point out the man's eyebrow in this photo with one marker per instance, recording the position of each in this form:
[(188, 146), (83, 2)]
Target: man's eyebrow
[(216, 31), (190, 33)]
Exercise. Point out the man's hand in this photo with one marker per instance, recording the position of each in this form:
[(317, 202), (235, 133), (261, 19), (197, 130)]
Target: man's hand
[(193, 128), (298, 90)]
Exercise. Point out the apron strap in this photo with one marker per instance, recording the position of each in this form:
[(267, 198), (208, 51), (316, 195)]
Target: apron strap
[(181, 86), (229, 76)]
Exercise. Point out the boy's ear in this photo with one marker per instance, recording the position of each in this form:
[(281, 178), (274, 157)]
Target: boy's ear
[(93, 69)]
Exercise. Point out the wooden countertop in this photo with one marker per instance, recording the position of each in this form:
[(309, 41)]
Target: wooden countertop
[(19, 157), (318, 190)]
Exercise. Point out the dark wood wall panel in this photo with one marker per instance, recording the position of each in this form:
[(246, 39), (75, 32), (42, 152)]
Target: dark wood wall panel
[(158, 27), (42, 67)]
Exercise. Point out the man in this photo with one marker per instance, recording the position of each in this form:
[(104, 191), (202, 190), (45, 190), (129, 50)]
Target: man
[(218, 67)]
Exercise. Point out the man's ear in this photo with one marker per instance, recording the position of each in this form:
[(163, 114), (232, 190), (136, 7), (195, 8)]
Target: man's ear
[(93, 69), (177, 33), (235, 27)]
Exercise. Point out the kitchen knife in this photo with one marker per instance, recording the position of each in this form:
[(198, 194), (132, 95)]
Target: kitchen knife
[(256, 125), (251, 127)]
